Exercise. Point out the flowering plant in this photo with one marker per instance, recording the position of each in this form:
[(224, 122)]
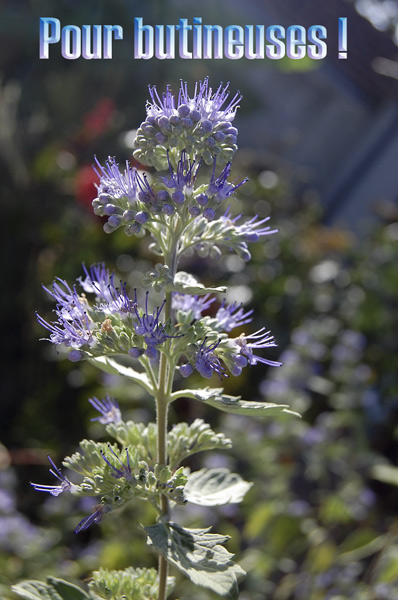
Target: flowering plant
[(159, 343)]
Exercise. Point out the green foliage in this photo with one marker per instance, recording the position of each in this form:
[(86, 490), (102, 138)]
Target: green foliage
[(185, 440), (53, 589), (199, 555), (131, 584), (137, 435), (128, 477), (214, 487), (185, 283), (113, 367), (215, 397)]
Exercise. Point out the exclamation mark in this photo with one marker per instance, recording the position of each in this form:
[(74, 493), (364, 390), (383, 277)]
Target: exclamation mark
[(342, 37)]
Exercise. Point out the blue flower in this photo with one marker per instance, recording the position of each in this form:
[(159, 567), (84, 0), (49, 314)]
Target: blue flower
[(195, 305), (97, 281), (96, 517), (207, 362), (153, 331), (100, 282), (124, 471), (206, 104), (232, 315), (219, 187), (184, 176), (250, 230), (118, 195), (120, 302), (262, 339), (114, 184), (108, 408), (199, 124), (71, 329), (55, 490)]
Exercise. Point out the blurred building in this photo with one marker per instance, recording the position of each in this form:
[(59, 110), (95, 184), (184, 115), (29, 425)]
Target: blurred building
[(334, 124)]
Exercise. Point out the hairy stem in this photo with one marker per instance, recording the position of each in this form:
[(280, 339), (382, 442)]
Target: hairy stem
[(161, 420), (166, 375)]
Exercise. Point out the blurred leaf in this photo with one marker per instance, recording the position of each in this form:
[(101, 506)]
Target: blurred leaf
[(258, 519), (284, 530), (333, 510), (385, 473), (215, 487), (387, 566), (321, 557), (360, 544)]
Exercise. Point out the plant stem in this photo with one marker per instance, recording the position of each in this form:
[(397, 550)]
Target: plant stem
[(166, 375), (161, 420)]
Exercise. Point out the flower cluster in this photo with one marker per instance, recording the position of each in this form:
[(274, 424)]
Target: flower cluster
[(120, 198), (200, 125), (114, 324), (129, 201), (212, 350), (101, 464)]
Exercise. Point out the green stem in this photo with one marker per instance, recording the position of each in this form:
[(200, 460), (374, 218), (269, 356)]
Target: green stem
[(162, 409), (166, 376), (162, 405)]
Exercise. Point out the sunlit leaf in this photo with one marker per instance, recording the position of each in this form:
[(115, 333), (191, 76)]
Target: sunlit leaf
[(234, 404), (385, 473), (215, 487), (185, 283), (113, 367), (185, 440), (53, 589), (199, 555)]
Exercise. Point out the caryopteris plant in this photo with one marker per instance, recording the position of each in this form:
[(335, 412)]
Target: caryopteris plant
[(159, 344)]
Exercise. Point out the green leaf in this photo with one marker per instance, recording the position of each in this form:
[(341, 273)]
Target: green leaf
[(185, 440), (199, 555), (185, 283), (53, 589), (234, 404), (67, 591), (137, 435), (34, 590), (214, 487), (112, 366)]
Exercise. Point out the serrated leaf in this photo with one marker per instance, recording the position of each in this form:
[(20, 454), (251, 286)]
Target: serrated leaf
[(215, 487), (185, 440), (53, 589), (234, 404), (137, 435), (185, 283), (199, 555), (111, 366)]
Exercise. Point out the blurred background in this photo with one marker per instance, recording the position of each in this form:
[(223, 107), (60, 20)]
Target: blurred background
[(319, 141)]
